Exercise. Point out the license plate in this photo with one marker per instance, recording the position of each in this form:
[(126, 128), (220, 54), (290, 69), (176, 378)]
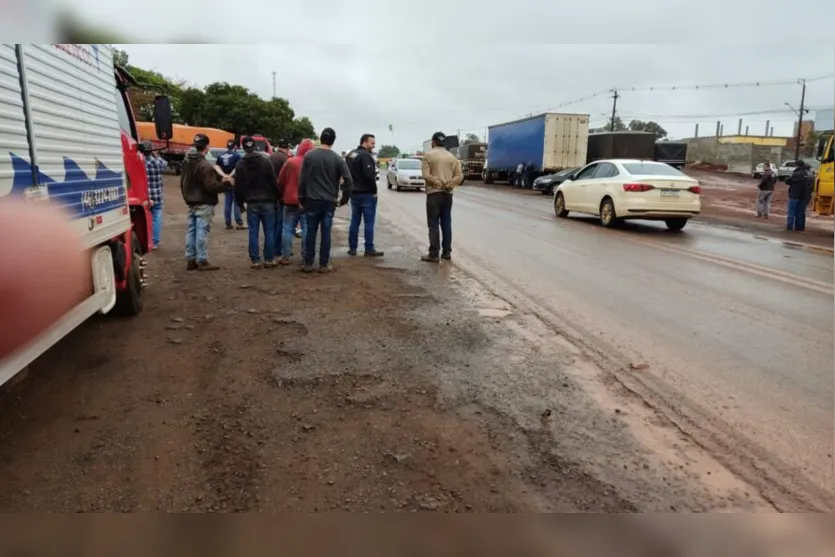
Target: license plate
[(669, 193)]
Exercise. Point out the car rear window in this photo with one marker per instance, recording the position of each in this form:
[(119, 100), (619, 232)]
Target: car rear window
[(405, 164), (651, 169)]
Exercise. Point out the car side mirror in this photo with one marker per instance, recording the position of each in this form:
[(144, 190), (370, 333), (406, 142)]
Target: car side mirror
[(162, 118)]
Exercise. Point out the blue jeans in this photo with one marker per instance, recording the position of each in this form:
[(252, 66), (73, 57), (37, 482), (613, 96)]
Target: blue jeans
[(279, 227), (363, 208), (228, 207), (439, 216), (292, 217), (156, 217), (197, 231), (319, 214), (260, 215), (796, 215)]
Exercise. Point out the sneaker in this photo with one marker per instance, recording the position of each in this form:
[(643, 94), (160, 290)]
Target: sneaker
[(256, 265), (374, 253), (430, 258), (206, 266), (285, 261), (240, 227), (229, 227), (307, 269), (352, 252), (271, 264), (191, 265), (446, 256), (325, 269), (155, 247)]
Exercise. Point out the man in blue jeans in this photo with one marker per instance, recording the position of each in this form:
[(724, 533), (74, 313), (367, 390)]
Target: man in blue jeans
[(442, 173), (364, 195), (227, 162), (154, 166), (256, 186), (319, 184), (200, 185), (801, 186)]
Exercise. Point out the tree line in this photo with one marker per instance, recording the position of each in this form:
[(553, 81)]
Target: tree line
[(233, 108)]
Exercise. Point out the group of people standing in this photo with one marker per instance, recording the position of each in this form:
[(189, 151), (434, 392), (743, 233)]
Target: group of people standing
[(281, 191), (801, 189)]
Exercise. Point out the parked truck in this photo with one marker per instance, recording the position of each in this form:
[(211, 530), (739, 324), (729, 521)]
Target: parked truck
[(673, 153), (621, 145), (68, 138), (472, 156), (548, 143), (175, 149), (825, 180)]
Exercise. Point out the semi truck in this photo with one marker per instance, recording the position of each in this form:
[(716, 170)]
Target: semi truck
[(673, 153), (472, 156), (545, 144), (621, 145), (174, 150), (825, 180), (68, 138)]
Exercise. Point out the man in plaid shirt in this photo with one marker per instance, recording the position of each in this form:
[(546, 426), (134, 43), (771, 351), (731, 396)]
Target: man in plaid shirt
[(154, 166)]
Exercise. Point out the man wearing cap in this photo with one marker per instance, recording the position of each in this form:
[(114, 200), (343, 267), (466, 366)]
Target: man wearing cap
[(226, 162), (442, 173), (319, 182), (257, 187), (200, 185), (364, 196), (154, 167)]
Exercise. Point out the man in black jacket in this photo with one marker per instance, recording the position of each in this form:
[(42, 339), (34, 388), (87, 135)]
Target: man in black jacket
[(364, 196), (766, 187), (800, 192), (256, 186), (200, 185)]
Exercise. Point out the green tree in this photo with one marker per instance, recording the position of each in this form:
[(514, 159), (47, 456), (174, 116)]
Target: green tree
[(301, 128), (120, 57), (649, 126), (619, 126), (388, 152)]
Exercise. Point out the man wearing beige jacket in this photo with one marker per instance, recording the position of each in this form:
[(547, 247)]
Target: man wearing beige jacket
[(441, 172)]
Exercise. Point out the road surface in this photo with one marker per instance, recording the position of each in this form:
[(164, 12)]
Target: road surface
[(732, 333)]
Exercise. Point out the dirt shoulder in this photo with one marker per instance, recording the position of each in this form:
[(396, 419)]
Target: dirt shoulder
[(271, 390)]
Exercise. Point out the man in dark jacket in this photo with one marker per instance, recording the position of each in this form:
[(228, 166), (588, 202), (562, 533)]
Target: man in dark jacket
[(200, 185), (278, 158), (322, 171), (257, 187), (800, 192), (766, 187), (364, 195)]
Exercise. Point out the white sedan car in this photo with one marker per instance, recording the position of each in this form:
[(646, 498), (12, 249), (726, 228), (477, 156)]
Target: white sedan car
[(630, 189), (405, 174)]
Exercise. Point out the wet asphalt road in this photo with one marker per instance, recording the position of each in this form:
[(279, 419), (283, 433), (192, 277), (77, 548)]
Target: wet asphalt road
[(734, 332)]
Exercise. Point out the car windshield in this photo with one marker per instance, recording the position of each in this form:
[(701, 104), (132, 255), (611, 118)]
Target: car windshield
[(407, 164), (651, 169)]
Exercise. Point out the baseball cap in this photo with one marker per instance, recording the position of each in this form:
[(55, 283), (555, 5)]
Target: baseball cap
[(328, 136), (230, 144), (438, 137), (248, 143), (201, 141)]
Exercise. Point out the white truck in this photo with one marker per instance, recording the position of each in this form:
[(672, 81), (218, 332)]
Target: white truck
[(68, 138)]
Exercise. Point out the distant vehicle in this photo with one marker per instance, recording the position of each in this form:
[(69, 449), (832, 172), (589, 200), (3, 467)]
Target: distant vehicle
[(549, 142), (620, 189), (673, 153), (621, 145), (547, 184), (405, 174), (785, 170)]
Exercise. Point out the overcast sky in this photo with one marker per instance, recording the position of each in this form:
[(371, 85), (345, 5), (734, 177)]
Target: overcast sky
[(435, 84)]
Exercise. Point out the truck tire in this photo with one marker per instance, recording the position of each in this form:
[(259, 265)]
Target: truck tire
[(488, 177), (130, 301)]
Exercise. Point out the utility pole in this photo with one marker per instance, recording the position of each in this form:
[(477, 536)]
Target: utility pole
[(767, 126), (273, 84), (739, 127), (614, 108), (696, 131), (718, 125), (800, 119)]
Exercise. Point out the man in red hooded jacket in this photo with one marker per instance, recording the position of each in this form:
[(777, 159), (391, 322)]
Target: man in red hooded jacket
[(288, 190)]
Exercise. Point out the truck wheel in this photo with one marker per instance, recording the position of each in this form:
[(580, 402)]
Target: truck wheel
[(130, 301), (559, 206), (488, 178), (675, 224), (608, 216)]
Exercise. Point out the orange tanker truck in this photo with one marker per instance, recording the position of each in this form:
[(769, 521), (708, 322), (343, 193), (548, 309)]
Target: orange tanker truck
[(181, 141)]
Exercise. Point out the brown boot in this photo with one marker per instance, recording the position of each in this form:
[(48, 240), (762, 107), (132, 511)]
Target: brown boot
[(191, 265), (206, 266), (430, 258)]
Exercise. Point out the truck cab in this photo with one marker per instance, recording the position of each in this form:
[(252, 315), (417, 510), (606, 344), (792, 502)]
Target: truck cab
[(825, 180)]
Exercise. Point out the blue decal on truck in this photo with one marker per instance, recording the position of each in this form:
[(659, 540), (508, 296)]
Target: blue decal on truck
[(78, 193)]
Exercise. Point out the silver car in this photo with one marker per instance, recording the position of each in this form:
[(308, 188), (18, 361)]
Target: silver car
[(405, 174)]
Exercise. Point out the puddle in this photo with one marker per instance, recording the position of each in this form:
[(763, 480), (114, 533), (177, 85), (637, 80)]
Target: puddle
[(493, 312)]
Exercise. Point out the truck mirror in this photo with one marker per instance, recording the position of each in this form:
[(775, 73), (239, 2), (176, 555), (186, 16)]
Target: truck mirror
[(162, 118)]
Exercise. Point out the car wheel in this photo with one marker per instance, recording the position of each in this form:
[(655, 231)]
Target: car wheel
[(559, 206), (676, 224), (388, 183), (608, 216), (397, 187)]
